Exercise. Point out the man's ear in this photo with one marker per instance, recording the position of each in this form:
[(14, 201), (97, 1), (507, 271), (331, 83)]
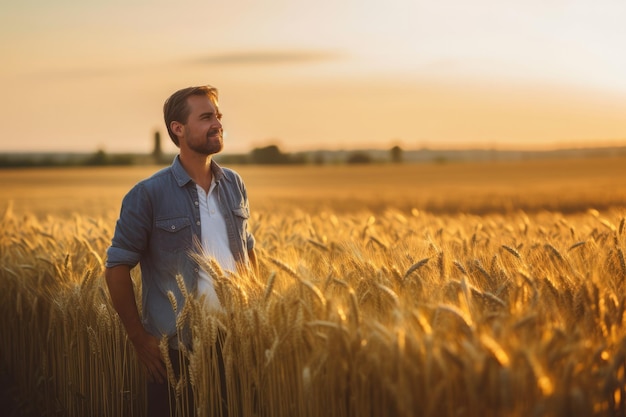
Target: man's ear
[(177, 128)]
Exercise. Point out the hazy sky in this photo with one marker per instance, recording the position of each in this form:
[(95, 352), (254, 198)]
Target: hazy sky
[(87, 75)]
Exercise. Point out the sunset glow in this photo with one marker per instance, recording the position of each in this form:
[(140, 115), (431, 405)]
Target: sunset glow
[(86, 76)]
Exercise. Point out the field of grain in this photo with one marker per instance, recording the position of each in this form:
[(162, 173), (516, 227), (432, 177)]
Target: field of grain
[(567, 186), (493, 289)]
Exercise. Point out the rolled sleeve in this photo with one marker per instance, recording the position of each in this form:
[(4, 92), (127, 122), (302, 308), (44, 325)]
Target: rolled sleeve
[(131, 235), (118, 256)]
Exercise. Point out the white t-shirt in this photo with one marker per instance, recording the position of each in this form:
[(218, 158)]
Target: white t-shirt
[(214, 242)]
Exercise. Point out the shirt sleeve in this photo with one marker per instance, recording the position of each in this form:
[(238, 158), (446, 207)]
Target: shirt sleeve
[(132, 230)]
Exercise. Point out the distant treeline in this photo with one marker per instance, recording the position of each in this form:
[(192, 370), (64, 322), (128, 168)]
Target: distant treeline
[(273, 155), (268, 155), (99, 158)]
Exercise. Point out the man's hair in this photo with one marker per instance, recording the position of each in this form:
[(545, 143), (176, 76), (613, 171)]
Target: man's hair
[(177, 109)]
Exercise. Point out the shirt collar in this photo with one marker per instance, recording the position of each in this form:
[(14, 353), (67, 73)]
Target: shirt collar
[(182, 178), (218, 172)]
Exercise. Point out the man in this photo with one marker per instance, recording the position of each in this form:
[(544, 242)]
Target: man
[(161, 222)]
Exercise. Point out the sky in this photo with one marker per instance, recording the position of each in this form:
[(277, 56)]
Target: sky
[(335, 74)]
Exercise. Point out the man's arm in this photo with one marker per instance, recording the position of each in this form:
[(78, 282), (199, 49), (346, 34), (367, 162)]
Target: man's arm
[(146, 346)]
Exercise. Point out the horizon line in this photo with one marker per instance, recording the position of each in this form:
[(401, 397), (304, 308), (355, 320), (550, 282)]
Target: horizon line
[(553, 147)]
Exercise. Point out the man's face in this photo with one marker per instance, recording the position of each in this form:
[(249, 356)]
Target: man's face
[(203, 131)]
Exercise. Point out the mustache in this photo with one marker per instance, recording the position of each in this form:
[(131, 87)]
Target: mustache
[(214, 132)]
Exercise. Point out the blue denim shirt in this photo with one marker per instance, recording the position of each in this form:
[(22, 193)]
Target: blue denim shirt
[(158, 226)]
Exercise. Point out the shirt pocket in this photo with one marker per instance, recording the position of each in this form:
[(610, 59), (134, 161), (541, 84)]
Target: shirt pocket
[(241, 215), (172, 234)]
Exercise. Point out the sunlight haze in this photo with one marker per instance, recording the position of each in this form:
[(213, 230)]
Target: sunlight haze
[(82, 76)]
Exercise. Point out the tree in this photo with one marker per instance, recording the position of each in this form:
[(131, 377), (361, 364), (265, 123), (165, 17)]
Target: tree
[(359, 158), (98, 158), (396, 154), (269, 155)]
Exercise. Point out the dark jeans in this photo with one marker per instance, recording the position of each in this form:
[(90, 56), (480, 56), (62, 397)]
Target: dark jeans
[(162, 399)]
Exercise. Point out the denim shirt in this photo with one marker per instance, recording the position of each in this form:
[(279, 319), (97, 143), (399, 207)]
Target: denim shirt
[(159, 227)]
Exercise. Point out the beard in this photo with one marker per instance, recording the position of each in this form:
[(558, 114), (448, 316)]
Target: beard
[(212, 144)]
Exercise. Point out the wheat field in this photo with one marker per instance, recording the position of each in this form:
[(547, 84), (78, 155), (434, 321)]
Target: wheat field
[(493, 289)]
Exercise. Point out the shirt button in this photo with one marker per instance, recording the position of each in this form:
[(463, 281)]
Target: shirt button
[(196, 270), (212, 211), (198, 222), (173, 227), (196, 203)]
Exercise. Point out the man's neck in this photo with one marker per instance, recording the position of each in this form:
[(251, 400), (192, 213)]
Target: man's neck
[(199, 168)]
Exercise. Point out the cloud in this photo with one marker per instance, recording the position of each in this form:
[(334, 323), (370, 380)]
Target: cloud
[(268, 57), (86, 72)]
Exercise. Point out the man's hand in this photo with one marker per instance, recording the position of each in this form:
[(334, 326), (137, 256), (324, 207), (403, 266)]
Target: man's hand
[(148, 352), (147, 346)]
